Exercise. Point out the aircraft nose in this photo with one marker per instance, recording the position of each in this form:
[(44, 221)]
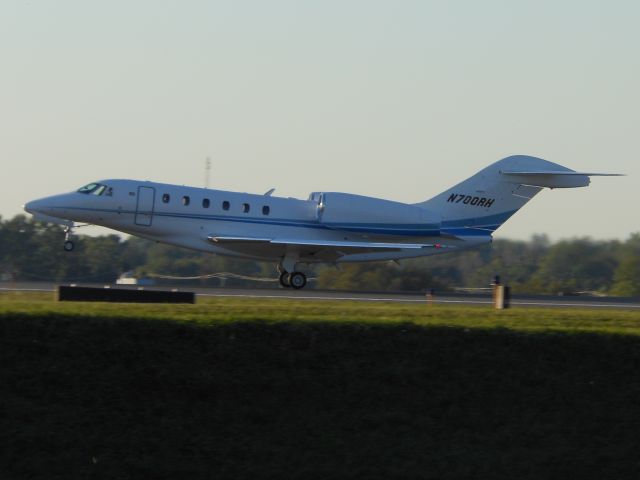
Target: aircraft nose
[(41, 206), (49, 209), (32, 206)]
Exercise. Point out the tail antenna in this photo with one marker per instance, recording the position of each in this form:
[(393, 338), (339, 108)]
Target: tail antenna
[(207, 171)]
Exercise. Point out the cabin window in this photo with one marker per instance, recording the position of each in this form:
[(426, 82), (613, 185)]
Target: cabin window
[(225, 205), (265, 210), (166, 197), (186, 200), (246, 207), (206, 202)]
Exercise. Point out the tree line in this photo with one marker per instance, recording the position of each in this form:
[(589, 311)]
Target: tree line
[(32, 251)]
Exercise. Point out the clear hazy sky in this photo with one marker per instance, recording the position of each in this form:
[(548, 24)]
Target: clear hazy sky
[(397, 99)]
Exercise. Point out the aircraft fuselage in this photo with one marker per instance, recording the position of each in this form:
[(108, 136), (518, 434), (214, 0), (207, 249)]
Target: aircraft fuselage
[(190, 217)]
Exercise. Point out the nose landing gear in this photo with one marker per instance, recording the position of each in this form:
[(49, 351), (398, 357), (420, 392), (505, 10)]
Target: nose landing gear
[(68, 243)]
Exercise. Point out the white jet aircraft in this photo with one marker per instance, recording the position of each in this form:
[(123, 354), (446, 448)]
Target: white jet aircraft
[(328, 227)]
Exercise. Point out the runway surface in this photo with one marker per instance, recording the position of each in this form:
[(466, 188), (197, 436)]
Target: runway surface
[(309, 294)]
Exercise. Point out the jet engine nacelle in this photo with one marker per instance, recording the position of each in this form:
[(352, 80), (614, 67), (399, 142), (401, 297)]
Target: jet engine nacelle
[(366, 214)]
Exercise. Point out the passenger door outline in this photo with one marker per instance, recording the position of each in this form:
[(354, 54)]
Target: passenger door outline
[(144, 206)]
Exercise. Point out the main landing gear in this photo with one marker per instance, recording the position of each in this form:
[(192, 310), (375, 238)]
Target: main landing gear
[(289, 277), (295, 280)]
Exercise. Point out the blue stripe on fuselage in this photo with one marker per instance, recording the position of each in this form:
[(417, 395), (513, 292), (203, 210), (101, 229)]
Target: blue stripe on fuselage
[(461, 227)]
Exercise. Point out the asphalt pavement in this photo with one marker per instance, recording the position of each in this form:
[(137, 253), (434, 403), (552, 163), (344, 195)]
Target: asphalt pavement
[(311, 294)]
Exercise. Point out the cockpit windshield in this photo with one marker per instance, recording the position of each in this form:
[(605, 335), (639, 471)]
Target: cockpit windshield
[(94, 189), (88, 188)]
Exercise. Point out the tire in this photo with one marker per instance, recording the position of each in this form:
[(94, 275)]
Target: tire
[(68, 246), (284, 279), (297, 280)]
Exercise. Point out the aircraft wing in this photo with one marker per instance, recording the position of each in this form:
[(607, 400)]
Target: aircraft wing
[(343, 246)]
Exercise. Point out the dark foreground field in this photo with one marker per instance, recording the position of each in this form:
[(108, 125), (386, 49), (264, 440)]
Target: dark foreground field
[(118, 397)]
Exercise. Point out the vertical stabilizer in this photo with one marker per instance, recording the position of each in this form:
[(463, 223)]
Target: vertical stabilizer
[(483, 202)]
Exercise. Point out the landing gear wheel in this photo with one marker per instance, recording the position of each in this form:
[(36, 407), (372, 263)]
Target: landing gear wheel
[(68, 243), (297, 280), (284, 279)]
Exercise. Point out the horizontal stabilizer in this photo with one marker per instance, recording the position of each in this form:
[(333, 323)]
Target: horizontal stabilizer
[(556, 172), (554, 178)]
